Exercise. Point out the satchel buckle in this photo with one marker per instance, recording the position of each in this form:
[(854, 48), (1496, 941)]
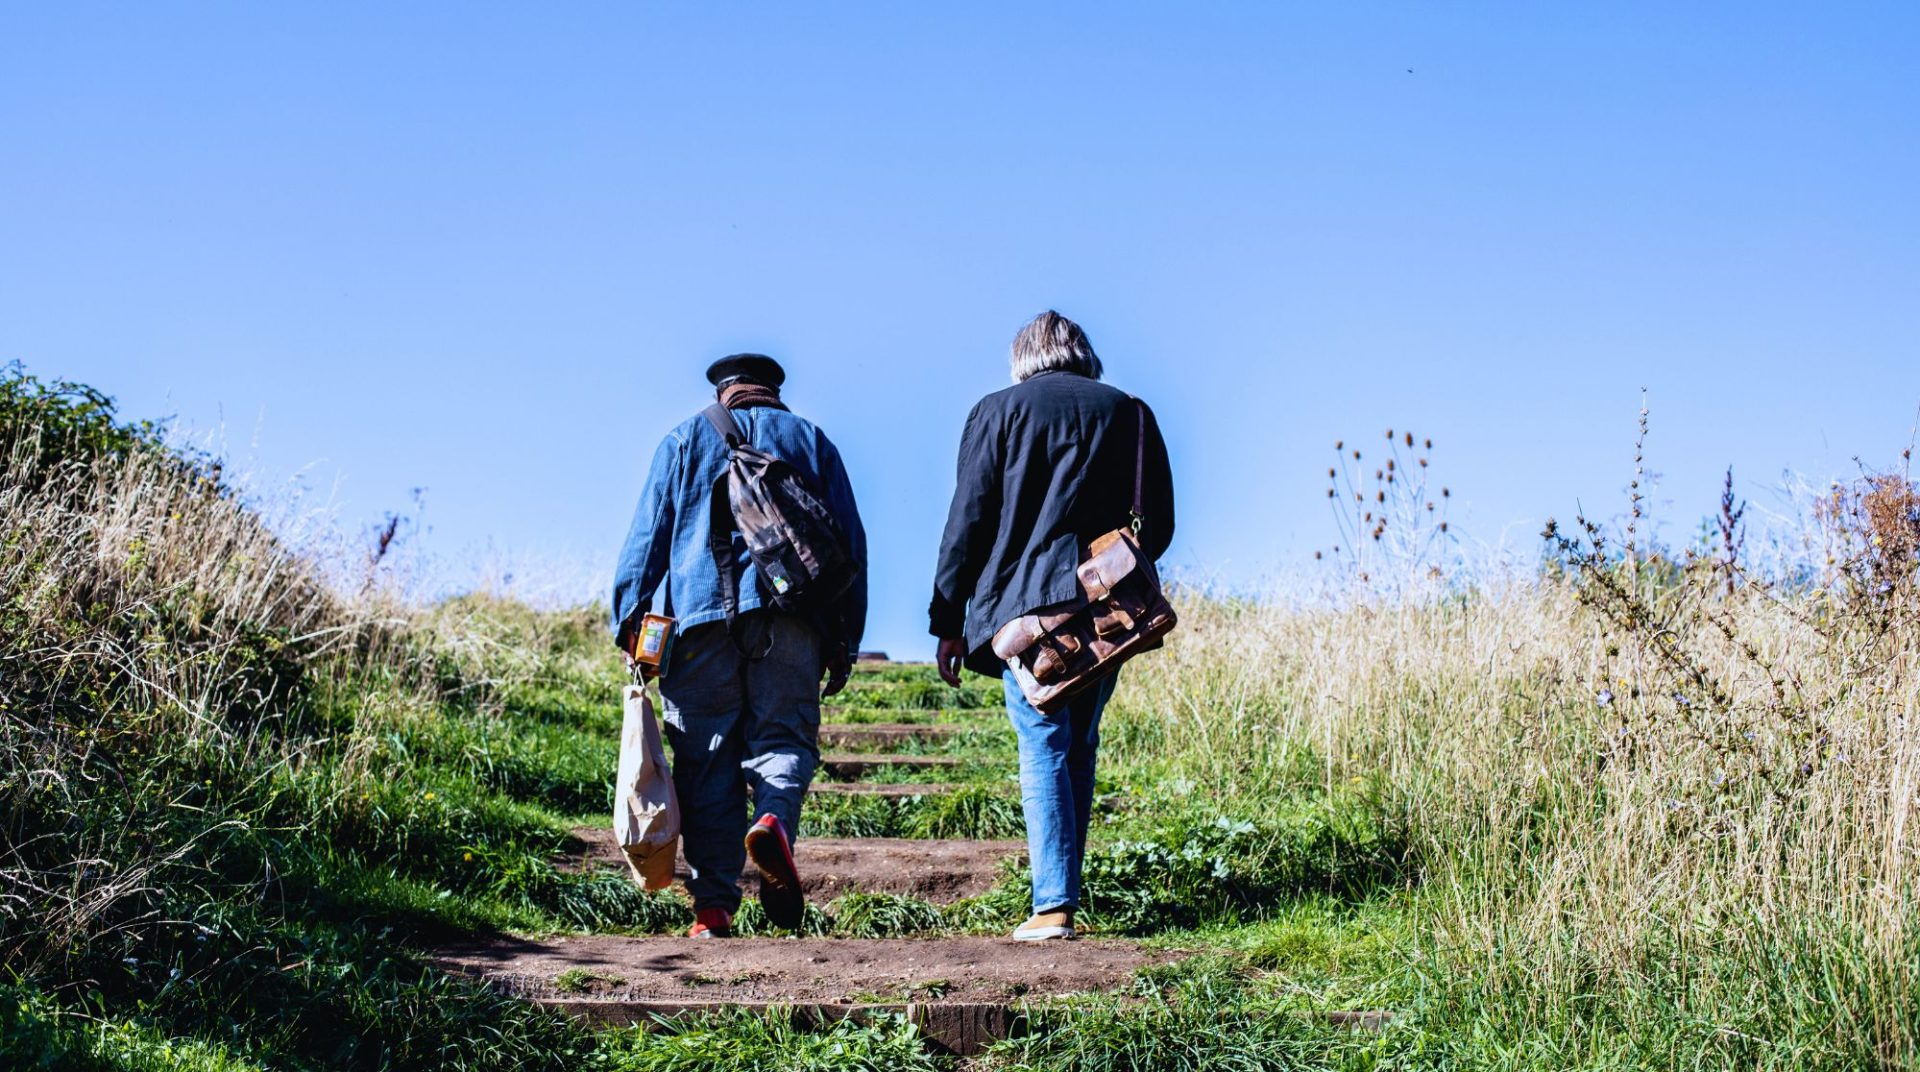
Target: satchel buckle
[(1114, 622)]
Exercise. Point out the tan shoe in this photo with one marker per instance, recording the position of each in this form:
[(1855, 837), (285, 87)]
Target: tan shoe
[(1045, 926)]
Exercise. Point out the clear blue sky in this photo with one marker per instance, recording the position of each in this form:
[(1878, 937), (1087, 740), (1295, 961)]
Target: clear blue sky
[(487, 249)]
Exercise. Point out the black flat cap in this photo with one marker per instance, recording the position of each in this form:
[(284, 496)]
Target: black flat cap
[(756, 367)]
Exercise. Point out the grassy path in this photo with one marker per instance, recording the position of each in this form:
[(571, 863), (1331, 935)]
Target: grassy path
[(911, 874)]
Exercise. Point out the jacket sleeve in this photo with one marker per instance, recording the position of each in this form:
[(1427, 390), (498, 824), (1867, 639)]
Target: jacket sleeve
[(643, 558), (971, 522), (839, 491), (1157, 529)]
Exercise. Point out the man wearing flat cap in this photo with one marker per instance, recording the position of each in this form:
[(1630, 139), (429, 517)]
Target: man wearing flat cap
[(742, 691)]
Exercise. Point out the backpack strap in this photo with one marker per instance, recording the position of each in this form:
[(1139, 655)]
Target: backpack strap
[(722, 420)]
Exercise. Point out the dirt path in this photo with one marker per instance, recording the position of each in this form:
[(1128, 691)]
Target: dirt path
[(937, 871)]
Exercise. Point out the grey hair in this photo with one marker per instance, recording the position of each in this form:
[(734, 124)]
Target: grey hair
[(1051, 342)]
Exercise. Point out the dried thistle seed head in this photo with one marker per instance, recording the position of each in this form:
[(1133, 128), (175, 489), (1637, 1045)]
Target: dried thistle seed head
[(1339, 444), (1380, 496), (1443, 526), (1423, 463), (1389, 478), (1389, 465), (1429, 445), (1329, 493), (1356, 455), (1316, 556), (1369, 518), (1409, 439), (1379, 474), (1389, 434), (1331, 472), (1446, 493)]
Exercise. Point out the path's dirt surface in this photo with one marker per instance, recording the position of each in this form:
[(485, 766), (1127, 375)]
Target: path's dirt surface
[(937, 871), (804, 970)]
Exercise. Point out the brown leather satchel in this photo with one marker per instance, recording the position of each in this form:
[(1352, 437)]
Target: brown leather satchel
[(1060, 649)]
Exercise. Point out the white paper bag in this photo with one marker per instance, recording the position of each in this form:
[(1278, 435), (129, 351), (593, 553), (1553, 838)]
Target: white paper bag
[(646, 815)]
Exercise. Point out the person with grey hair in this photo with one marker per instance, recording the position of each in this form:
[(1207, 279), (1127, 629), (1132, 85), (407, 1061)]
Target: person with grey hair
[(1045, 466)]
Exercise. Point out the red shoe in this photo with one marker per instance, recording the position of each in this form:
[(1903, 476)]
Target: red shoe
[(772, 852), (711, 923)]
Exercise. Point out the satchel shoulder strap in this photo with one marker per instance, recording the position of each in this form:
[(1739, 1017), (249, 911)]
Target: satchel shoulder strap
[(1140, 470)]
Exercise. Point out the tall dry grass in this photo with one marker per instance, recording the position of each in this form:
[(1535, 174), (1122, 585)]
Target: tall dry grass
[(1639, 789), (155, 635)]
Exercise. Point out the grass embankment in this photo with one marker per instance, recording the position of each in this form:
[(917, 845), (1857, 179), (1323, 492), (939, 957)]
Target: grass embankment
[(233, 797), (1620, 815)]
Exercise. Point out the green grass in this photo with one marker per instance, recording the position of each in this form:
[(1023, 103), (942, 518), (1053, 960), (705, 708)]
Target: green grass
[(922, 693), (745, 1043), (981, 812), (858, 710), (1221, 1011)]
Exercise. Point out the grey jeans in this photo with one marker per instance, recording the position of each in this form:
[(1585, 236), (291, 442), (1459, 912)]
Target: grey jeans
[(737, 724)]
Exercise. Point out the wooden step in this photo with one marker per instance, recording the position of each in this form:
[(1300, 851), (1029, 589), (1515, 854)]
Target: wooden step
[(850, 766), (940, 871), (979, 982), (885, 734), (916, 695), (891, 791), (853, 714)]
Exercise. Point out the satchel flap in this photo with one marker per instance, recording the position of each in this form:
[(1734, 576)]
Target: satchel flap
[(1015, 637), (1110, 560)]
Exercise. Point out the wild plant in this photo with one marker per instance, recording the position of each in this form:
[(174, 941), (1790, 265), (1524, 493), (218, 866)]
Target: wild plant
[(1393, 528)]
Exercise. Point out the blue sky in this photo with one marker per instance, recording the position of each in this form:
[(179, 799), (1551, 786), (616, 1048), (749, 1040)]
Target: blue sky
[(487, 250)]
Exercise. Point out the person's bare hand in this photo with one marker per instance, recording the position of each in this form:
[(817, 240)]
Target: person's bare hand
[(839, 667), (948, 658)]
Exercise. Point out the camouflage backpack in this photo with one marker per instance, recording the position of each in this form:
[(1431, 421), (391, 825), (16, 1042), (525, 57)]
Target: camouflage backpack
[(802, 554)]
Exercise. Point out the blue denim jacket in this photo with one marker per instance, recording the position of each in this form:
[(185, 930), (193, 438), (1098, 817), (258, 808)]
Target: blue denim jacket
[(668, 540)]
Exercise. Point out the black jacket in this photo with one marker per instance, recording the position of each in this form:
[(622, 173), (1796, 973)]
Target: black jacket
[(1046, 466)]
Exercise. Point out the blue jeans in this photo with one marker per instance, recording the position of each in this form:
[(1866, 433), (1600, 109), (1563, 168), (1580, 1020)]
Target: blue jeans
[(737, 724), (1056, 786)]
